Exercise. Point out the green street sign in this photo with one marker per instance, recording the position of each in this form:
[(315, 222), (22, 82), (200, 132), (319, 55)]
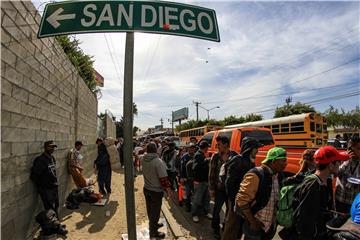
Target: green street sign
[(73, 17)]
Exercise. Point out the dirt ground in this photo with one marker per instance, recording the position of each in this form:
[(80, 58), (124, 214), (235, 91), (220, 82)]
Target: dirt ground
[(90, 222)]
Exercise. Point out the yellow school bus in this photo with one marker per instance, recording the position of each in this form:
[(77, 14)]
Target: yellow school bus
[(198, 132), (301, 130)]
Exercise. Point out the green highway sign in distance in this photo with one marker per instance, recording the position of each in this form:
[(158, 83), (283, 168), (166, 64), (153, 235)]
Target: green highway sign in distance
[(72, 17)]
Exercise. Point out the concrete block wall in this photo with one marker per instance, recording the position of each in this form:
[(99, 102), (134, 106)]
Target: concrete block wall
[(110, 127), (42, 98)]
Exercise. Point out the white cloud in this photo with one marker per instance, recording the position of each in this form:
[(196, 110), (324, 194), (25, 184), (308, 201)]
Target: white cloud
[(266, 48)]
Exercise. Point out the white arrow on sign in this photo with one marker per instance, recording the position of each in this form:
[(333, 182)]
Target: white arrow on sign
[(55, 17)]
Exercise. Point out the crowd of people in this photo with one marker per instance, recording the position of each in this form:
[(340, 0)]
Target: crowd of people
[(322, 194)]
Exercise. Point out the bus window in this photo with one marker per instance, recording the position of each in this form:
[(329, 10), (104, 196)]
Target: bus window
[(202, 132), (275, 128), (312, 126), (227, 134), (297, 127), (208, 137), (318, 128), (269, 127), (285, 127), (262, 136)]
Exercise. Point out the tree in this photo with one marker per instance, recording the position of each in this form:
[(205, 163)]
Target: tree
[(120, 124), (253, 117), (291, 109), (231, 120), (81, 61), (333, 117), (135, 110), (340, 118)]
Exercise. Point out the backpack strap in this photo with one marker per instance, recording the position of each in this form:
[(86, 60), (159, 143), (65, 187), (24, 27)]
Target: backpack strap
[(264, 190)]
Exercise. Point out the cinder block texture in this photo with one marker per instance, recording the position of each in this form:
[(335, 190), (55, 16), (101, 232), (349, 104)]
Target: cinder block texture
[(42, 98)]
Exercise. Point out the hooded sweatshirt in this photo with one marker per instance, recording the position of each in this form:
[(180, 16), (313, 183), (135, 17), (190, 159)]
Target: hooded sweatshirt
[(237, 167), (154, 171)]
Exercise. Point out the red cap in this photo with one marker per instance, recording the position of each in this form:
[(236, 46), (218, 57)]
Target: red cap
[(329, 154)]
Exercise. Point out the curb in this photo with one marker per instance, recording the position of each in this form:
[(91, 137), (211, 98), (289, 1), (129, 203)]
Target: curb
[(174, 226)]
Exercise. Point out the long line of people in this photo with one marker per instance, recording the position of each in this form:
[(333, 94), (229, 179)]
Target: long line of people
[(254, 195)]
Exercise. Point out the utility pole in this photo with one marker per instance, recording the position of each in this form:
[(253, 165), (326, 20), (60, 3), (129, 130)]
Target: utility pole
[(161, 123), (172, 122), (197, 109), (208, 111), (128, 134)]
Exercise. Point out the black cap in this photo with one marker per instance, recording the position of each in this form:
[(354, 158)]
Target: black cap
[(252, 142), (50, 143), (99, 140), (204, 144), (79, 143)]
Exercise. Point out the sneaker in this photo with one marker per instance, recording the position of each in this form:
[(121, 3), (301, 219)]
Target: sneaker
[(195, 219), (160, 235), (209, 216)]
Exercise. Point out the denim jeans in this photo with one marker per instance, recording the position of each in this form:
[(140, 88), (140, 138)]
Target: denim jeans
[(188, 186), (201, 198)]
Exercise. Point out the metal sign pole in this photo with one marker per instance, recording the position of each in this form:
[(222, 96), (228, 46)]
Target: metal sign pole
[(128, 136)]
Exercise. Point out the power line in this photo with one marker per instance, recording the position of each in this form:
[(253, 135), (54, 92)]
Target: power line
[(284, 94), (315, 102), (309, 77), (266, 96), (279, 66), (152, 58), (112, 57)]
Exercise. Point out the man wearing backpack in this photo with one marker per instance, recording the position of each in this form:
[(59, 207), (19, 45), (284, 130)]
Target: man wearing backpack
[(217, 180), (257, 198), (200, 167), (185, 177), (285, 210), (169, 157), (235, 169), (311, 199)]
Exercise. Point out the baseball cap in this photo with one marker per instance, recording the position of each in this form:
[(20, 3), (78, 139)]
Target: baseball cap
[(329, 154), (50, 143), (204, 144), (274, 154)]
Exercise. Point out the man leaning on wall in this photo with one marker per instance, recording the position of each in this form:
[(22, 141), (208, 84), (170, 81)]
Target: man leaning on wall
[(43, 174)]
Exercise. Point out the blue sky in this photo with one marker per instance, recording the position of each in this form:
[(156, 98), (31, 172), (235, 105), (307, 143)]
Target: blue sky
[(307, 50)]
